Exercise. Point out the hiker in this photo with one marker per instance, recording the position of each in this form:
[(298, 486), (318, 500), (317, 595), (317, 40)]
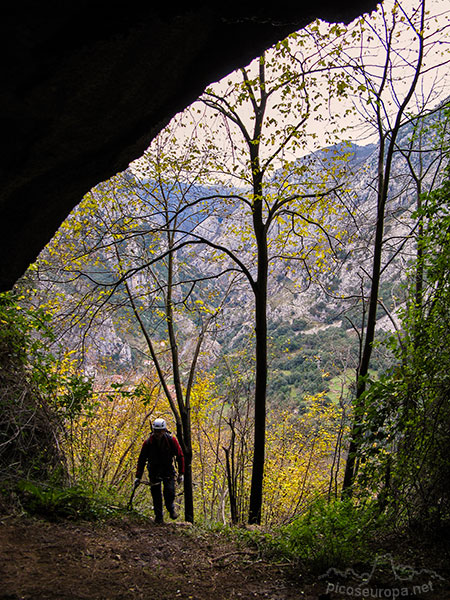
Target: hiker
[(158, 451)]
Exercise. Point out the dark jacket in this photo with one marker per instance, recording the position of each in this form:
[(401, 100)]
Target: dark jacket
[(159, 455)]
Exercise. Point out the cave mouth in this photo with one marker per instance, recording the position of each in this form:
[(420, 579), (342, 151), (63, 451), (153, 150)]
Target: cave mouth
[(86, 89)]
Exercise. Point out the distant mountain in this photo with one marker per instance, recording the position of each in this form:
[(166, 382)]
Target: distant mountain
[(312, 338)]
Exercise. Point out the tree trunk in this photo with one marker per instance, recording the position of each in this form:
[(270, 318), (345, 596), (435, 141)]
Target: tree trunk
[(260, 289), (188, 488), (260, 404), (363, 369), (384, 173), (231, 487), (183, 428)]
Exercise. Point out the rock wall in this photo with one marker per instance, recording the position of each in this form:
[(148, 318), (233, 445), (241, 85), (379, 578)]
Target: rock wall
[(87, 85)]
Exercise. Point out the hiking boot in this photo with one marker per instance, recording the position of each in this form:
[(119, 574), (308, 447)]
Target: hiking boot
[(159, 520), (173, 514)]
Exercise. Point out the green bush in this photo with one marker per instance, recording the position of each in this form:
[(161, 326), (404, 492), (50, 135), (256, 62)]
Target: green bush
[(331, 534), (55, 503), (27, 423), (37, 395)]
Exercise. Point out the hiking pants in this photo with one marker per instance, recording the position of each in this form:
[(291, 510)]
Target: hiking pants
[(169, 496)]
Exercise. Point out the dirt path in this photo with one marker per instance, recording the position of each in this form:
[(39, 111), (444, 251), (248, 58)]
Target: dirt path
[(129, 560)]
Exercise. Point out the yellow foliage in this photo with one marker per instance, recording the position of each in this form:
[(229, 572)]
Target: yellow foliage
[(299, 455), (208, 437), (103, 443), (300, 452)]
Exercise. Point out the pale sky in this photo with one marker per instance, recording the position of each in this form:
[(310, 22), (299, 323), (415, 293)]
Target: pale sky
[(433, 86)]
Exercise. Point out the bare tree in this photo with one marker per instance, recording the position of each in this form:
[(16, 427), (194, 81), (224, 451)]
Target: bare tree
[(391, 103)]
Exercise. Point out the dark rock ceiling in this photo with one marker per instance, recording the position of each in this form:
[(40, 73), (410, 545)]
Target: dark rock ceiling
[(87, 85)]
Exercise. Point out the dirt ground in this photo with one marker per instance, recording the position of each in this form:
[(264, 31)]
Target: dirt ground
[(129, 559)]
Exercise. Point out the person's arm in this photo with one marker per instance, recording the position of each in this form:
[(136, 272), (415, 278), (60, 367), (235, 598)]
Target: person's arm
[(141, 461)]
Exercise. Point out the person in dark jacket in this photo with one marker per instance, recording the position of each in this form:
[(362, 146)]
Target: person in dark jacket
[(158, 452)]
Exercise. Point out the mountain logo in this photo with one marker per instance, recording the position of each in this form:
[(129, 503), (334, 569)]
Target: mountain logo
[(402, 573)]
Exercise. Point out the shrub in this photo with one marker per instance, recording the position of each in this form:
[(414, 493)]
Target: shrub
[(330, 534), (55, 503), (27, 423)]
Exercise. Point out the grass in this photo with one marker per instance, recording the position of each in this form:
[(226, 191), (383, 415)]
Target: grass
[(56, 503)]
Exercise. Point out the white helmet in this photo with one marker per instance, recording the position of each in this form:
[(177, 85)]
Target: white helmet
[(159, 424)]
